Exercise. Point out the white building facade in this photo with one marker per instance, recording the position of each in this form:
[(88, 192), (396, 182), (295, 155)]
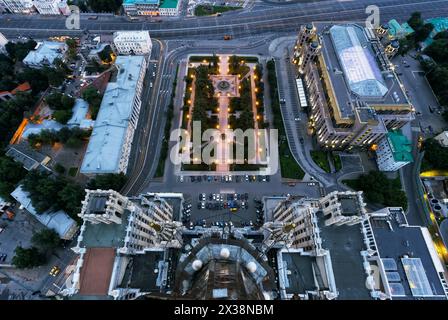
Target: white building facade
[(18, 6), (48, 7), (136, 42), (442, 138)]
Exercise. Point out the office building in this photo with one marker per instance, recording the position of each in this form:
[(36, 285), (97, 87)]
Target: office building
[(141, 7), (354, 95)]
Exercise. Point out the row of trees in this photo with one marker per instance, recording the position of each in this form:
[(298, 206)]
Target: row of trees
[(70, 137), (379, 189), (204, 99), (243, 103)]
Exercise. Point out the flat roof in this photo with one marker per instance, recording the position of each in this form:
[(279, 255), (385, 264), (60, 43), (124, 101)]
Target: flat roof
[(143, 272), (300, 274), (96, 271), (400, 145), (134, 2), (354, 71), (406, 241), (26, 155), (105, 235), (46, 51), (345, 244), (109, 132), (169, 4)]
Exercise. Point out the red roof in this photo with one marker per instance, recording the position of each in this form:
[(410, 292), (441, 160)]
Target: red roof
[(21, 87), (96, 271)]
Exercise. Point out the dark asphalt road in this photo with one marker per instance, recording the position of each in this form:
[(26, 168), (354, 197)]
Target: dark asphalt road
[(274, 19)]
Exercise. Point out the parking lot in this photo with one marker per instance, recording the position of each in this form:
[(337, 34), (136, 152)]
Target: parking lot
[(16, 232), (220, 209)]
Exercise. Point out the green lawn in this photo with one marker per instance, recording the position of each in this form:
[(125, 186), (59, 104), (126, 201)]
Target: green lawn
[(290, 169), (336, 161), (321, 159), (206, 10)]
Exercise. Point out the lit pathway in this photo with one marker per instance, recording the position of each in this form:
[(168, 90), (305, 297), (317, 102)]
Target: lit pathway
[(223, 104)]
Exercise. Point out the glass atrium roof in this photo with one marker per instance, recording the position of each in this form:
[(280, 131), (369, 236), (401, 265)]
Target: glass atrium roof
[(359, 66)]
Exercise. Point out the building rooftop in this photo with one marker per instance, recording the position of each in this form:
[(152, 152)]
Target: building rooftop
[(26, 155), (169, 4), (80, 110), (300, 274), (357, 76), (144, 271), (109, 132), (400, 145), (102, 235), (96, 271), (414, 271), (345, 244), (397, 30), (133, 2), (45, 52), (440, 24)]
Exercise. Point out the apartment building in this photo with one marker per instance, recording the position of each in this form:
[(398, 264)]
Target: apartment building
[(111, 141), (49, 7)]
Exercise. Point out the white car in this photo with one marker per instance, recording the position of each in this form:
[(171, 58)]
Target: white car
[(202, 205), (181, 178)]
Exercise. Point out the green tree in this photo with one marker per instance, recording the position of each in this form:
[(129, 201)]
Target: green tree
[(70, 197), (59, 168), (422, 33), (93, 98), (27, 258), (105, 5), (62, 116), (108, 181), (46, 240), (11, 173), (416, 21)]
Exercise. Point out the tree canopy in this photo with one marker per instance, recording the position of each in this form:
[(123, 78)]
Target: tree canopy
[(51, 192), (108, 181), (93, 98), (46, 239), (17, 51), (11, 173), (379, 189), (27, 258)]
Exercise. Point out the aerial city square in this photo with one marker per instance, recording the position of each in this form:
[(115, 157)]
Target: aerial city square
[(223, 150)]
